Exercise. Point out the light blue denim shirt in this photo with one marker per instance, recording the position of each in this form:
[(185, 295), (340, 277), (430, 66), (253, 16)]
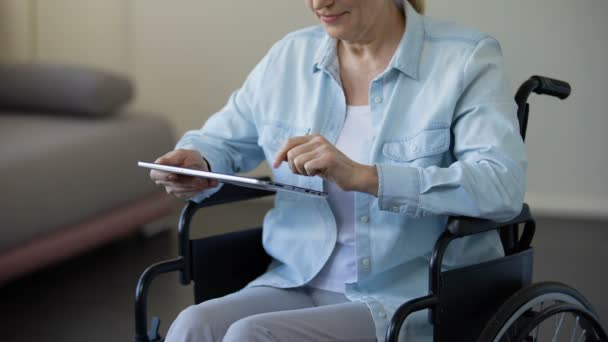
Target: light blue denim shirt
[(446, 142)]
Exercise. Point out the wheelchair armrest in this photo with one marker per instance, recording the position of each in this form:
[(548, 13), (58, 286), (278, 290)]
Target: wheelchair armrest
[(463, 226), (404, 310), (232, 193), (141, 299), (228, 194)]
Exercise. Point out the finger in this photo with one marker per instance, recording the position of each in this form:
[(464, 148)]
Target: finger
[(176, 192), (185, 195), (183, 182), (291, 143), (316, 166), (198, 182), (297, 151), (300, 161), (190, 182), (185, 178), (175, 158), (173, 188), (183, 158), (164, 176), (292, 166)]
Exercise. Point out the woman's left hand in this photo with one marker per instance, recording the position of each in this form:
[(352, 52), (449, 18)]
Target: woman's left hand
[(313, 155)]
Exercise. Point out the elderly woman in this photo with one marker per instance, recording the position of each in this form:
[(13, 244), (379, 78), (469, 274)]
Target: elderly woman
[(405, 121)]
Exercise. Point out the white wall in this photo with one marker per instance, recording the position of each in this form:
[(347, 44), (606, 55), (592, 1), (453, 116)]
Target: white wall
[(87, 32), (15, 29), (567, 141), (188, 55)]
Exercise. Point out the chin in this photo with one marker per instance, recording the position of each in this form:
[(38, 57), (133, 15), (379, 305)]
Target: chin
[(336, 32)]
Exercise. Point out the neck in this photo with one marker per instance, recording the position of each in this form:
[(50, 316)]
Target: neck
[(377, 45)]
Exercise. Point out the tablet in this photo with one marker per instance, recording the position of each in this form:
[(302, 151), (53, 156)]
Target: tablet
[(236, 180)]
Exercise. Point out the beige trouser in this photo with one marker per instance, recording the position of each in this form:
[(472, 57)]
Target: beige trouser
[(271, 314)]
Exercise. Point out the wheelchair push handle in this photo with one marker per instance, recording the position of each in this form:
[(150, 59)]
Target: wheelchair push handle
[(543, 86), (552, 87)]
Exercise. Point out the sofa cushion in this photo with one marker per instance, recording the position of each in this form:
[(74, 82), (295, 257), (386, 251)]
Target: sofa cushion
[(57, 172), (62, 89)]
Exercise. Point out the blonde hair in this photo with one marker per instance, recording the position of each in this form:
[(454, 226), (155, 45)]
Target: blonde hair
[(417, 4)]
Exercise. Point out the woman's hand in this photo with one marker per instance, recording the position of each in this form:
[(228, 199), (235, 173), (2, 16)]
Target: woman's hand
[(313, 155), (181, 186)]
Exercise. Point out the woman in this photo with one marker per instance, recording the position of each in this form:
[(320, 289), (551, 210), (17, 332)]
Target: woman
[(404, 121)]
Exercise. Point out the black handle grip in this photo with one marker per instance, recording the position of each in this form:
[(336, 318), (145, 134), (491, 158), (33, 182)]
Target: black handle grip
[(552, 87)]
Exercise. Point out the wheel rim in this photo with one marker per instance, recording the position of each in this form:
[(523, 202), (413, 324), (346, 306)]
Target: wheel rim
[(589, 328), (543, 301)]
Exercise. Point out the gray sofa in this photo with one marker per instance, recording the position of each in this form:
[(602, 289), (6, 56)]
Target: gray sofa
[(68, 171)]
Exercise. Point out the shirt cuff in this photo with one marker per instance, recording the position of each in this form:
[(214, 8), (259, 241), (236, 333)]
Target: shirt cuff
[(399, 189)]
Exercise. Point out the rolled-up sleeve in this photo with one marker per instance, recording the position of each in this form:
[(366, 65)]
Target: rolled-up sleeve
[(487, 178)]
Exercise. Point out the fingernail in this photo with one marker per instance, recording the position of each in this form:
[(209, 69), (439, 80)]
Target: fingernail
[(172, 177)]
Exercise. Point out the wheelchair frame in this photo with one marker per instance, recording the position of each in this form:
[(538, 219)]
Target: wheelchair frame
[(505, 276)]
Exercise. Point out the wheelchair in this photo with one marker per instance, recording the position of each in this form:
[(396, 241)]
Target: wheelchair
[(491, 301)]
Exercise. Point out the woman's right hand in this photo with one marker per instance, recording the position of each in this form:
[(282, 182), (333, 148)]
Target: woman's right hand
[(181, 186)]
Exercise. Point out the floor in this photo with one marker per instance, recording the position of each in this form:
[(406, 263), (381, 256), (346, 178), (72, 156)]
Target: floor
[(91, 298)]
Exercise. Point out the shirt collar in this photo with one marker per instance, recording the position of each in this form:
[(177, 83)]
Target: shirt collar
[(327, 54), (406, 58)]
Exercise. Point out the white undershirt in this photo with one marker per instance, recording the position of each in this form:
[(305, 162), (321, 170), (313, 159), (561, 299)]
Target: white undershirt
[(341, 267)]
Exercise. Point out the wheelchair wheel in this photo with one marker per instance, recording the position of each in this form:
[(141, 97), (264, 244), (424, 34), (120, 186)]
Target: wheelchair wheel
[(546, 311)]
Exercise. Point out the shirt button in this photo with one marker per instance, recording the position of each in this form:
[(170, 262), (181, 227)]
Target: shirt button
[(365, 262), (365, 219), (378, 99)]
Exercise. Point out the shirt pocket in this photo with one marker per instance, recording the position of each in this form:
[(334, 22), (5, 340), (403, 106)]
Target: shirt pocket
[(271, 139), (425, 148)]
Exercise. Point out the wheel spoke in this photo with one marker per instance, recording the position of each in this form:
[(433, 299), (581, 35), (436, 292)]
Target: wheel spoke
[(574, 331), (582, 335), (557, 327), (537, 329)]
